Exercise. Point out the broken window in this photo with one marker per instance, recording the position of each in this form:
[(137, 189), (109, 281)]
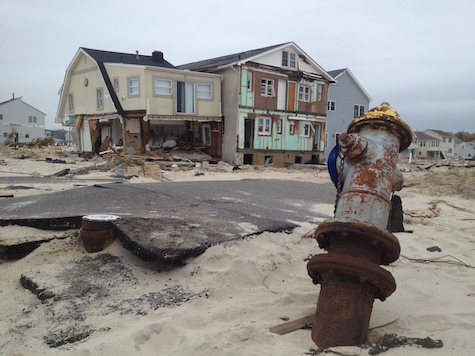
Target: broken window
[(319, 92), (249, 81), (267, 87), (264, 125), (185, 97)]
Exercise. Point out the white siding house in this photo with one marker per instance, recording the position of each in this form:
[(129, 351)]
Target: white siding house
[(20, 122)]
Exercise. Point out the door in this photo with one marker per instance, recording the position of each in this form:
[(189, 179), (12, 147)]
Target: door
[(248, 133), (291, 100), (281, 89), (316, 137)]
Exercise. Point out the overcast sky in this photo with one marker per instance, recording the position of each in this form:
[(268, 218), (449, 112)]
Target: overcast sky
[(418, 55)]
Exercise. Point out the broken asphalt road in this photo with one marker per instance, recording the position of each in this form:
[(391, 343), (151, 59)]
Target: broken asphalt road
[(188, 216)]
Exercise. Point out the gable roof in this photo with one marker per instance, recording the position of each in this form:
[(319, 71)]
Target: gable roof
[(19, 98), (339, 72), (423, 136), (441, 133), (155, 60), (247, 56), (227, 60)]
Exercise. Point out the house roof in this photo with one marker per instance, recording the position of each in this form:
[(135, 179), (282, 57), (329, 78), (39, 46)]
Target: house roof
[(423, 136), (339, 72), (442, 133), (228, 59), (155, 60), (19, 98), (246, 56)]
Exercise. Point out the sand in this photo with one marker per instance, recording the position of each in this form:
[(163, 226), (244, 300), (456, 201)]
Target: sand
[(227, 299)]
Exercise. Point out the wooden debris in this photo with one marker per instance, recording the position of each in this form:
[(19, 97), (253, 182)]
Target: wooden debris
[(61, 173), (293, 325)]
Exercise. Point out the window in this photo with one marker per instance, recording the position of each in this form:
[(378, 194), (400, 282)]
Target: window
[(292, 128), (1, 116), (304, 94), (134, 86), (185, 98), (71, 102), (304, 129), (204, 91), (330, 105), (358, 110), (100, 98), (115, 84), (264, 126), (163, 86), (279, 126), (5, 134), (249, 81), (32, 119), (319, 92), (267, 87), (289, 59), (27, 135)]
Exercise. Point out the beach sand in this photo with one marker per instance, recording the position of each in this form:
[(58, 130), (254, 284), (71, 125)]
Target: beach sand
[(224, 301)]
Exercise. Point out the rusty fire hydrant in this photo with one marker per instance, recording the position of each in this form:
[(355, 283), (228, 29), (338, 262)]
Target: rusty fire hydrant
[(357, 240)]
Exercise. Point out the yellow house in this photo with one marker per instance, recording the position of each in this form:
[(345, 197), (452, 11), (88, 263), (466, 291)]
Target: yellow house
[(135, 103)]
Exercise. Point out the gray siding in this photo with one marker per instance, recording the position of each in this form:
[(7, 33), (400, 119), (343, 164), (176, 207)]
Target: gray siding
[(345, 93)]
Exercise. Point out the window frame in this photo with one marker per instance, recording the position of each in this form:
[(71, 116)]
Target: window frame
[(292, 128), (32, 119), (319, 92), (99, 98), (71, 102), (249, 80), (264, 128), (210, 91), (331, 107), (129, 86), (306, 94), (305, 129), (289, 59), (115, 84), (358, 110), (279, 126), (169, 88), (267, 84), (184, 103)]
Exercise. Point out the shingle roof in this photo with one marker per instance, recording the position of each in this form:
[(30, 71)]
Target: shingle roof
[(442, 133), (228, 59), (335, 73), (127, 58), (423, 136)]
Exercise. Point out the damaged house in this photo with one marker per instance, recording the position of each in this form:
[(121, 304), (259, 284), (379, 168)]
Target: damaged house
[(135, 103), (274, 104)]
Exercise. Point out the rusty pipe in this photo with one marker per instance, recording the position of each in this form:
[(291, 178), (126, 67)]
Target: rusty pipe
[(357, 240)]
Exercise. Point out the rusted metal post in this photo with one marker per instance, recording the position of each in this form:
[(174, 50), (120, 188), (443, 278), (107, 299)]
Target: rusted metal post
[(357, 240)]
